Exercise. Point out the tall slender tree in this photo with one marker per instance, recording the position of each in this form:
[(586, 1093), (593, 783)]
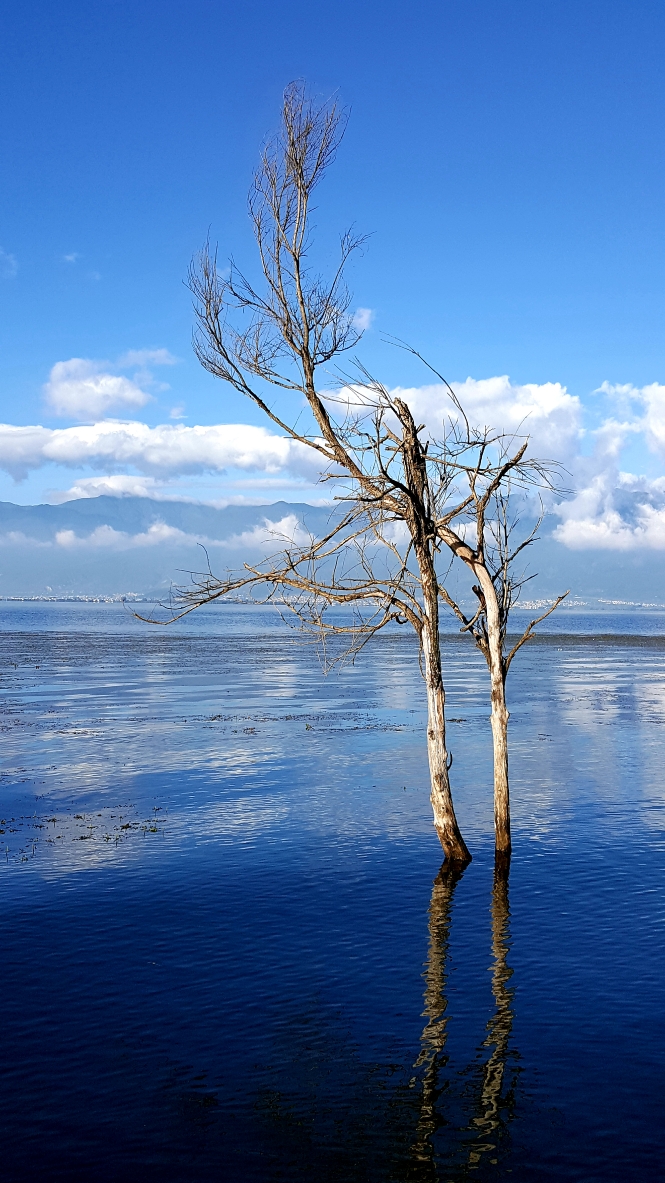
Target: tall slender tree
[(397, 490), (280, 337)]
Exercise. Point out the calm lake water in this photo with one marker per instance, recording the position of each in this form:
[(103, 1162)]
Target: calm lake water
[(228, 949)]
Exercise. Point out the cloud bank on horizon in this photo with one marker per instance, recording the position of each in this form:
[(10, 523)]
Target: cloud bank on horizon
[(611, 508), (267, 535)]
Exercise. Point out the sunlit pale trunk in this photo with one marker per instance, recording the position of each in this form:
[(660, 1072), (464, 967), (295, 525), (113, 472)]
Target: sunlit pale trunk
[(499, 716), (415, 474), (441, 796), (499, 720)]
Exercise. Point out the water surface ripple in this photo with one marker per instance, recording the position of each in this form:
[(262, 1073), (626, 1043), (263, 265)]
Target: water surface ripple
[(229, 948)]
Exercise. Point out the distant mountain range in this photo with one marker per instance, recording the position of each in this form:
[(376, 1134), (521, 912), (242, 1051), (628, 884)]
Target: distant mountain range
[(115, 545), (110, 546), (135, 515)]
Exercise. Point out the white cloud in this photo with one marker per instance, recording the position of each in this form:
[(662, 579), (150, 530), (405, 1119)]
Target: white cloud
[(609, 531), (653, 401), (81, 389), (267, 536), (146, 357), (546, 412), (643, 410), (18, 538), (73, 258), (166, 450), (286, 532), (120, 485), (611, 509), (106, 538), (615, 511), (8, 265), (362, 319), (87, 389)]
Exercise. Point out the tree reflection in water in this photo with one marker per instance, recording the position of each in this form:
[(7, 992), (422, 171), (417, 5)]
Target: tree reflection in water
[(432, 1057), (495, 1092)]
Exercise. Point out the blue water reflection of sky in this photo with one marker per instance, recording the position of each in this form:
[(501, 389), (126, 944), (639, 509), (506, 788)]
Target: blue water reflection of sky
[(222, 940)]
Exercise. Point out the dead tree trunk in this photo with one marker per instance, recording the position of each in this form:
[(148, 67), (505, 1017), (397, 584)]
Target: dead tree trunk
[(445, 820), (499, 712), (499, 720), (421, 528)]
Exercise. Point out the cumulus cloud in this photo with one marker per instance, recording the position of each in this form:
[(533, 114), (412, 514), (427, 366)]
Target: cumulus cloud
[(166, 450), (87, 389), (641, 409), (546, 412), (106, 538), (286, 531), (362, 319), (81, 389), (653, 400), (615, 511), (19, 538), (120, 485), (610, 508)]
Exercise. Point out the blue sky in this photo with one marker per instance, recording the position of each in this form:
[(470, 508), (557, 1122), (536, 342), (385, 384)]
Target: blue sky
[(506, 159)]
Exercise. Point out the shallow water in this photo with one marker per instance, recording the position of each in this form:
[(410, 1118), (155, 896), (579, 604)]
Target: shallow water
[(227, 948)]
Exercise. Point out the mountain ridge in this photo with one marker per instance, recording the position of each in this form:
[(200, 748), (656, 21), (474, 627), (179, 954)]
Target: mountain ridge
[(101, 546)]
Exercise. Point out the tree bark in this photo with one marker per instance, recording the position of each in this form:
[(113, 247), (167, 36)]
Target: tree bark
[(499, 720), (445, 821), (421, 530), (499, 713)]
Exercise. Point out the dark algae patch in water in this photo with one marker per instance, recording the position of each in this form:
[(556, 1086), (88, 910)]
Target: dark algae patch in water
[(229, 950)]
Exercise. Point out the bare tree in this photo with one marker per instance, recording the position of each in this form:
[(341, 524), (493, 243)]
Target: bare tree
[(398, 492), (280, 337), (485, 475), (491, 561)]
